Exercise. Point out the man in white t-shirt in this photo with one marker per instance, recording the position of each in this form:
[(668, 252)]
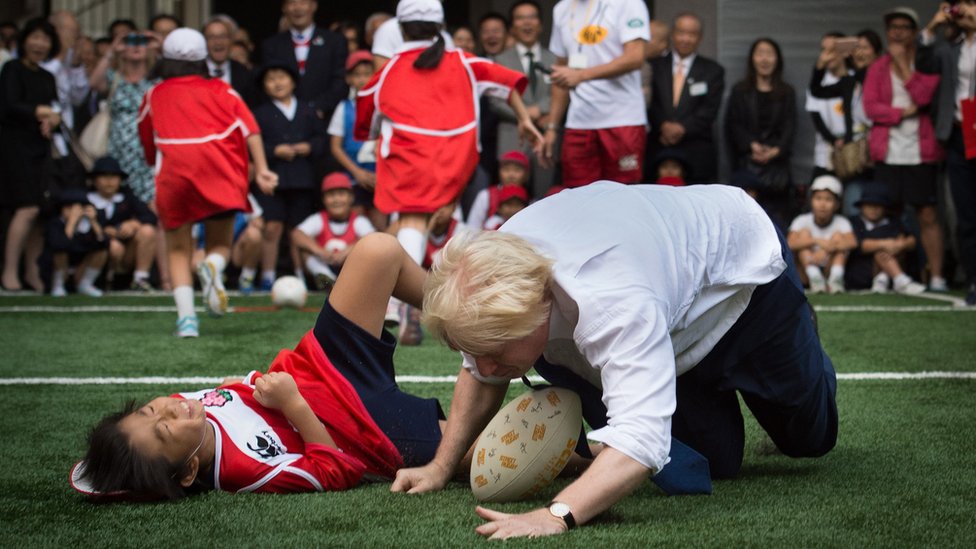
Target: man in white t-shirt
[(659, 306), (599, 47), (822, 238)]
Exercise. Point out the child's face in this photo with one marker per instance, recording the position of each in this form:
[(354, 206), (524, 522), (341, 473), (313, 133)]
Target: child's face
[(510, 207), (872, 212), (511, 173), (670, 168), (107, 184), (359, 76), (166, 427), (823, 204), (338, 203), (278, 84)]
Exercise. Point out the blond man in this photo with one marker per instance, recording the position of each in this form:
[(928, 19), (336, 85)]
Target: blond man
[(657, 305)]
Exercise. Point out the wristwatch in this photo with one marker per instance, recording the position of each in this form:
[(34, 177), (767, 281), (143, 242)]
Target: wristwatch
[(561, 511)]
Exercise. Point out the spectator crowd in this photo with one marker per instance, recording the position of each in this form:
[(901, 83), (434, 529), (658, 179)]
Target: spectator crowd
[(613, 95)]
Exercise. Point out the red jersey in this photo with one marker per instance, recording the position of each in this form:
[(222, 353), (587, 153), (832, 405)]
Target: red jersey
[(194, 131), (257, 449), (349, 237), (427, 121)]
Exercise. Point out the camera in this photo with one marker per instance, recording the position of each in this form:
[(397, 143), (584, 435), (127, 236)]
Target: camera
[(136, 39)]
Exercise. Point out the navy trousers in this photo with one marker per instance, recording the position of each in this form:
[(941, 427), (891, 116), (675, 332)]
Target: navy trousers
[(772, 356)]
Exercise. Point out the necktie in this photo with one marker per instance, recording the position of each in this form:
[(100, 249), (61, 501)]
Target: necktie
[(533, 78), (217, 72), (679, 83), (301, 44)]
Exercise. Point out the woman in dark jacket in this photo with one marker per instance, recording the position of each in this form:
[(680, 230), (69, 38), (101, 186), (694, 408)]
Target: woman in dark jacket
[(29, 115), (760, 124)]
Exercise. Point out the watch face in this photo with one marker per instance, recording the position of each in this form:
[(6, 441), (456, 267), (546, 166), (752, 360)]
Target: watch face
[(559, 509)]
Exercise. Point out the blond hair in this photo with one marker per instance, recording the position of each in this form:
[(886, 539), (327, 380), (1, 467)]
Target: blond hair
[(486, 289)]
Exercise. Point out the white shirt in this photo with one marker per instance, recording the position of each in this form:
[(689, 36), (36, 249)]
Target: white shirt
[(686, 63), (337, 128), (967, 66), (72, 86), (903, 144), (608, 102), (839, 224), (313, 226), (305, 39), (388, 38), (522, 52), (288, 110), (647, 279), (831, 111)]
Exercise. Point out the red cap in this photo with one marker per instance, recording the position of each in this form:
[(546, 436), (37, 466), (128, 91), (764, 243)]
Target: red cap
[(516, 157), (509, 192), (336, 180), (357, 57)]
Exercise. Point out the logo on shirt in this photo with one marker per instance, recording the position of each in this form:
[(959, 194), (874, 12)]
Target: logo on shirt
[(265, 446), (217, 398), (628, 163), (592, 35), (635, 23)]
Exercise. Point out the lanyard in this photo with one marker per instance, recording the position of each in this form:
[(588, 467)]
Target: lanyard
[(586, 18)]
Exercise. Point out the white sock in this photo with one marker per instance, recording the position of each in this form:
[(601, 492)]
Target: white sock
[(414, 242), (140, 275), (837, 272), (88, 279), (268, 275), (183, 295), (248, 272), (814, 273), (217, 261), (57, 279), (882, 278), (316, 266), (902, 280)]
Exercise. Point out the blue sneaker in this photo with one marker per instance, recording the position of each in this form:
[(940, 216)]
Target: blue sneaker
[(245, 284), (266, 284), (187, 326)]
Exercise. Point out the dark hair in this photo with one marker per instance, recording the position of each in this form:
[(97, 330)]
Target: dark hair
[(43, 25), (492, 15), (173, 68), (119, 22), (342, 26), (873, 38), (779, 87), (520, 3), (833, 34), (163, 17), (103, 40), (112, 465), (425, 30)]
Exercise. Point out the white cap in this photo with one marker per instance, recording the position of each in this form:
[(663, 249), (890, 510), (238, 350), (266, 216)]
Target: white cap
[(903, 11), (185, 44), (420, 10), (827, 183)]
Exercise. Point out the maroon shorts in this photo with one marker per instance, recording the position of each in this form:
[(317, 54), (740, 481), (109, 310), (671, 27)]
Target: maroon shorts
[(616, 154)]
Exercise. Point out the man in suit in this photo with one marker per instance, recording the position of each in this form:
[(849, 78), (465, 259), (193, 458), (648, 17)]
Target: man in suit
[(525, 56), (318, 55), (954, 62), (686, 93), (218, 35)]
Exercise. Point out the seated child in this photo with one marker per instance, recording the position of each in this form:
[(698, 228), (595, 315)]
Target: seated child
[(326, 415), (358, 158), (326, 238), (75, 239), (670, 166), (513, 169), (293, 137), (881, 242), (822, 239), (128, 223), (511, 200)]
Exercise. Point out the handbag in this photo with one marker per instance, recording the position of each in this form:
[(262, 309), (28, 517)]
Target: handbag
[(94, 138), (775, 176), (851, 159)]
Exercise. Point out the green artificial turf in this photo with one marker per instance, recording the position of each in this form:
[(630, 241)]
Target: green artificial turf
[(900, 476)]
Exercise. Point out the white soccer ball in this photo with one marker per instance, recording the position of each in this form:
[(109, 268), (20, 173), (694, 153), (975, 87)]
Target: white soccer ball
[(335, 245), (526, 445), (289, 291)]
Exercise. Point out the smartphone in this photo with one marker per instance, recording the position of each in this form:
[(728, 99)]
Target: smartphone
[(542, 68), (845, 46)]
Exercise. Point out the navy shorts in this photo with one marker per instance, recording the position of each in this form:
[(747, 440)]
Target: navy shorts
[(411, 422)]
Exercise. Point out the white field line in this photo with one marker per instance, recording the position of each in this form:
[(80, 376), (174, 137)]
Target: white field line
[(160, 380), (171, 309)]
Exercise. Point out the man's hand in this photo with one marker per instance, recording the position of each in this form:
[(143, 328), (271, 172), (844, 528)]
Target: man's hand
[(672, 133), (276, 390), (566, 77), (533, 524), (417, 480), (267, 181)]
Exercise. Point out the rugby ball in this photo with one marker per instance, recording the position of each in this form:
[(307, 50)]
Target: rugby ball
[(289, 291), (334, 245), (526, 445)]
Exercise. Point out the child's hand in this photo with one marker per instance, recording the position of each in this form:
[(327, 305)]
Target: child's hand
[(276, 390), (285, 152), (267, 180), (365, 179), (128, 229), (89, 211), (301, 149)]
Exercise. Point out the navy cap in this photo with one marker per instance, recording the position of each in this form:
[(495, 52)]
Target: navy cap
[(874, 194), (107, 165)]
